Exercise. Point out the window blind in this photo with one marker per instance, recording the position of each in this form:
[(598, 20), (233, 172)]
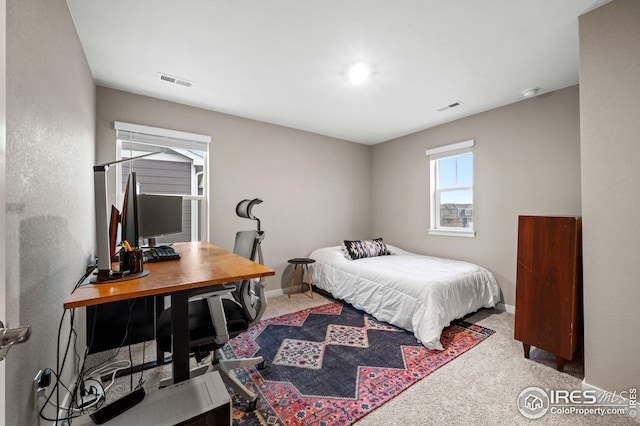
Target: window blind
[(161, 137), (449, 150)]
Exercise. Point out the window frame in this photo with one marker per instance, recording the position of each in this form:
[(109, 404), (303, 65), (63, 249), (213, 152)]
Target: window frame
[(178, 141), (435, 155)]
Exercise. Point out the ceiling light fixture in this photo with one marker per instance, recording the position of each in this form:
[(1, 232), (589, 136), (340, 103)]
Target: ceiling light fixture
[(359, 72), (530, 93)]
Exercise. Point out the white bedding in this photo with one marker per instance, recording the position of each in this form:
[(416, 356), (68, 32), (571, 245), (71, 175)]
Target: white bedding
[(422, 294)]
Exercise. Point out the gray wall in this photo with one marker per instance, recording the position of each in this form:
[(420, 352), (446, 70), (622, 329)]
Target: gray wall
[(526, 161), (49, 192), (316, 190), (610, 134)]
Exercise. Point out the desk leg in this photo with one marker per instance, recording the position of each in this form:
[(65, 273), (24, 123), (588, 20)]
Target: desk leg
[(159, 305), (180, 334)]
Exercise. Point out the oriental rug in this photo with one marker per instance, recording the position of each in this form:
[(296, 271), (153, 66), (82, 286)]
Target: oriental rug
[(333, 364)]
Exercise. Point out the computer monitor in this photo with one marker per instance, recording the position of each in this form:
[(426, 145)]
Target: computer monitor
[(113, 230), (129, 221), (159, 215)]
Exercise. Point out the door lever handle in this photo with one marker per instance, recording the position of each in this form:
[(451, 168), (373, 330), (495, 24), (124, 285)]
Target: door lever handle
[(12, 336)]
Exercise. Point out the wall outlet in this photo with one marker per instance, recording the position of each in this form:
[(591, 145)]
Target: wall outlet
[(40, 384)]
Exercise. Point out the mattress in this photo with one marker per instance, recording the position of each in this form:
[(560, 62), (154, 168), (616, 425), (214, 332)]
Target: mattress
[(422, 294)]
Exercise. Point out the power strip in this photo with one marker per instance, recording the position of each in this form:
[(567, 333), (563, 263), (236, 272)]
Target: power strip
[(93, 393)]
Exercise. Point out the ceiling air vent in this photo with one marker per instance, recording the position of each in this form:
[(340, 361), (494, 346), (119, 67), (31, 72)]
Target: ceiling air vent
[(175, 80), (451, 105)]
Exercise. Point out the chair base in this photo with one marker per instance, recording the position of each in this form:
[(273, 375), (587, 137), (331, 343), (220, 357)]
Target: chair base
[(224, 367)]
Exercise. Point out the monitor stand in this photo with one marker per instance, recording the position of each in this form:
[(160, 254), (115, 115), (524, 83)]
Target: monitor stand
[(153, 243)]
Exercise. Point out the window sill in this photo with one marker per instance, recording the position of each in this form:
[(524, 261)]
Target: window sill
[(453, 233)]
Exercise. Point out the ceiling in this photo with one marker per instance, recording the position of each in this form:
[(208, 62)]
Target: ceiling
[(285, 61)]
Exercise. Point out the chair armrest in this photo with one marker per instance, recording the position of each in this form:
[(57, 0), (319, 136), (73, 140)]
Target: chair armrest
[(218, 318), (214, 298), (219, 290)]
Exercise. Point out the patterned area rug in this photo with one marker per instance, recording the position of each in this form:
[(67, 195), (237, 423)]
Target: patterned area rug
[(333, 364)]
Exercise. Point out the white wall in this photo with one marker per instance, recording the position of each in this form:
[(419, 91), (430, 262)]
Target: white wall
[(610, 134), (49, 186), (526, 162), (316, 189)]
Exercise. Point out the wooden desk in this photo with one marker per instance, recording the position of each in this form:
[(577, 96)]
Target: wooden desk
[(201, 265)]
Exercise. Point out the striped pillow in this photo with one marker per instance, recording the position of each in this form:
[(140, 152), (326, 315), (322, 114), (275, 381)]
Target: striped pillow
[(360, 249)]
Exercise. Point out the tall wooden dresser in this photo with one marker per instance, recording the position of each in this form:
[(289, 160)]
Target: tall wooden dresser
[(549, 285)]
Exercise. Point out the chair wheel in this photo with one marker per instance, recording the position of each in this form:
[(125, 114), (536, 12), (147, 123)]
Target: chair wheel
[(253, 405), (262, 365)]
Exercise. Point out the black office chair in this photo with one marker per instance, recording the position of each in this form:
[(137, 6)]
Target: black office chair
[(215, 316)]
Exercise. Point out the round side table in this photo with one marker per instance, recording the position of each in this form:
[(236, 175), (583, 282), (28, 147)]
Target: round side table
[(304, 263)]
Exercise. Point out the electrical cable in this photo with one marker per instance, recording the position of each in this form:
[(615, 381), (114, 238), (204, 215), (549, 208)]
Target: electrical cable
[(125, 337), (47, 401), (74, 409), (104, 370), (77, 411), (82, 408), (129, 331), (60, 367), (144, 343), (100, 397)]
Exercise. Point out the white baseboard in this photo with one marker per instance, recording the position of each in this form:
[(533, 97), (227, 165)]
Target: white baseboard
[(506, 308), (603, 395), (283, 290), (276, 292)]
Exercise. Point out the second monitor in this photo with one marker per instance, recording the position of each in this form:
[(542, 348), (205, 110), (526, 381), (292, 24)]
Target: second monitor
[(159, 215)]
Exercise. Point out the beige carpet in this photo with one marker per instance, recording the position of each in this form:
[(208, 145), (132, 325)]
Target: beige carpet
[(479, 387)]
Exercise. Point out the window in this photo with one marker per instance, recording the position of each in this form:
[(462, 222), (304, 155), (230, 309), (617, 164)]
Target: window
[(178, 166), (451, 176)]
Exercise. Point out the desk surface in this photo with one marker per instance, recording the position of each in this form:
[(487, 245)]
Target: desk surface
[(202, 264)]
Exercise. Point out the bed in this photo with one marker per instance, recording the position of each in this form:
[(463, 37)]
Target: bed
[(422, 294)]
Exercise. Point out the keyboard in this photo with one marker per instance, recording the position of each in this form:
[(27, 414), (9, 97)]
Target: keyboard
[(160, 254)]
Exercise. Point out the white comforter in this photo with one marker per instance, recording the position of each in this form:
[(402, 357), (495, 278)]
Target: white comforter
[(419, 293)]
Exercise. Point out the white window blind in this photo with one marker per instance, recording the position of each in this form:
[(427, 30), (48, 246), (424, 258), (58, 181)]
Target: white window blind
[(449, 150), (161, 137)]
